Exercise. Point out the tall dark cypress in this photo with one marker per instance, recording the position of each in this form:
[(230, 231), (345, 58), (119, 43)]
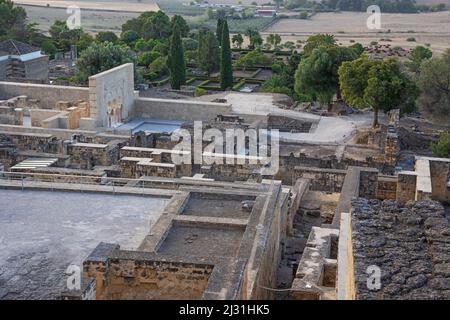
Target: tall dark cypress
[(226, 68), (219, 30), (176, 60)]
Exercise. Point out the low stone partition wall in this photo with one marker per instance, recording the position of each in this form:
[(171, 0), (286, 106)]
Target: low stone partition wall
[(345, 286), (11, 115), (289, 124), (88, 155), (329, 180), (315, 278), (39, 115), (189, 110), (59, 133), (300, 188), (28, 141), (131, 275), (47, 95), (161, 156), (387, 187), (402, 250), (429, 180), (359, 182), (132, 167)]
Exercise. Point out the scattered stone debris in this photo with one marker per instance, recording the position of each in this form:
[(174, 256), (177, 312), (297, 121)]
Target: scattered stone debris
[(409, 243)]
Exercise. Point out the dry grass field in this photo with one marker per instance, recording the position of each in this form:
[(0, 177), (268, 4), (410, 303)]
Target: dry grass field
[(129, 6), (426, 28), (91, 21)]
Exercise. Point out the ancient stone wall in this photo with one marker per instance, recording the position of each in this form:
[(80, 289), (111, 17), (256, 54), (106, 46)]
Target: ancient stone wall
[(406, 186), (88, 155), (329, 180), (368, 183), (11, 115), (267, 246), (47, 95), (315, 276), (142, 279), (165, 109), (132, 167), (439, 179), (288, 124), (387, 187), (409, 243), (28, 141)]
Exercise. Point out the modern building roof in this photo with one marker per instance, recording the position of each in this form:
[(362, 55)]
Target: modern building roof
[(13, 47)]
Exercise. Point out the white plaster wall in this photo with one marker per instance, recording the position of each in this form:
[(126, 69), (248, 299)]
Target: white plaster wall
[(116, 83)]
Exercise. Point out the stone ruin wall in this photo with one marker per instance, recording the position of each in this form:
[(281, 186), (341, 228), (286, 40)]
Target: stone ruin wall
[(141, 279), (41, 96)]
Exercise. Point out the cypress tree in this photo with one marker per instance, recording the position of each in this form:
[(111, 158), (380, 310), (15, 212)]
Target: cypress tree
[(219, 30), (176, 60), (226, 69)]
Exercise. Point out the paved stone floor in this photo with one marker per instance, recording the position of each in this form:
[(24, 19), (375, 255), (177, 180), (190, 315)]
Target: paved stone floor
[(43, 232)]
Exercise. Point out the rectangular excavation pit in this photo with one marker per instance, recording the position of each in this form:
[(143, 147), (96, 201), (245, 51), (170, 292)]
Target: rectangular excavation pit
[(202, 241)]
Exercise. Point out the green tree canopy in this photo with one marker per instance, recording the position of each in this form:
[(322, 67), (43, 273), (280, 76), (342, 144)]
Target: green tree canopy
[(255, 39), (273, 40), (417, 56), (150, 25), (106, 36), (381, 85), (317, 74), (358, 47), (237, 40), (84, 41), (313, 76), (353, 76), (208, 51), (254, 58), (441, 149), (64, 37), (182, 25), (12, 21), (129, 37), (435, 87), (318, 40), (99, 57)]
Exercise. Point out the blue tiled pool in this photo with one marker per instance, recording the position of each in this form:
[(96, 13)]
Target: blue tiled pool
[(152, 125)]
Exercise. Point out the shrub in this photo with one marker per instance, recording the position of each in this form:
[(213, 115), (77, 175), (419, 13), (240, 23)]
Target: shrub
[(442, 147), (148, 57), (159, 66), (411, 39), (278, 67), (199, 92), (129, 37), (253, 58), (303, 15)]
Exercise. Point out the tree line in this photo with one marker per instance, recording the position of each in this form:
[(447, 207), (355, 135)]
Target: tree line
[(393, 6)]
